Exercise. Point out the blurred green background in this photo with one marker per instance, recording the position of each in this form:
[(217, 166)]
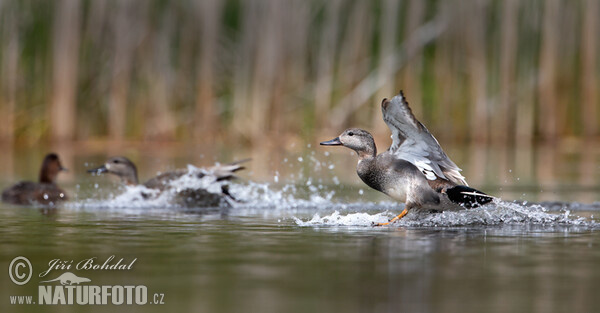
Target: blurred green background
[(508, 72)]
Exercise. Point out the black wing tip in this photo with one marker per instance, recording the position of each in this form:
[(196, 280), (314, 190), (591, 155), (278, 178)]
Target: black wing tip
[(468, 197), (403, 98)]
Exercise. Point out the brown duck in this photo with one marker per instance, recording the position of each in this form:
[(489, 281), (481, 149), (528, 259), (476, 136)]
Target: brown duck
[(44, 192)]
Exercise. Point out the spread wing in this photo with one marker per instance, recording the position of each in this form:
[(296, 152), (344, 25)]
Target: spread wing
[(226, 171), (412, 141), (219, 171)]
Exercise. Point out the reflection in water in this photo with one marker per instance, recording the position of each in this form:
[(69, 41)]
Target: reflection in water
[(256, 257), (305, 244)]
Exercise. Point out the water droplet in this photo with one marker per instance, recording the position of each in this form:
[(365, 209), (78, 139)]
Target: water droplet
[(360, 191), (331, 167), (300, 159)]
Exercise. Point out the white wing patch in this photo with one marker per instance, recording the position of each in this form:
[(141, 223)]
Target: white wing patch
[(411, 141), (430, 169)]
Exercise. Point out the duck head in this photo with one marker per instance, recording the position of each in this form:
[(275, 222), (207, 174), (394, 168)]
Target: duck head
[(50, 168), (119, 166), (356, 139)]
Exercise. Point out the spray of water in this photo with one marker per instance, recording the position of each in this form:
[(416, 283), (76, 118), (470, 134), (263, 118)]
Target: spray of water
[(311, 196)]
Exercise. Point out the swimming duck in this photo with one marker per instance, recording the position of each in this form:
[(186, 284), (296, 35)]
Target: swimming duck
[(196, 197), (415, 169), (44, 192)]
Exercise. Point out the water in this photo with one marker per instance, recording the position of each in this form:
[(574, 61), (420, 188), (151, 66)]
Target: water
[(301, 242)]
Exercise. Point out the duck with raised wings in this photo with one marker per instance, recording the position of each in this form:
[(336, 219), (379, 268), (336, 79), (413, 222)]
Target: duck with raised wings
[(414, 170)]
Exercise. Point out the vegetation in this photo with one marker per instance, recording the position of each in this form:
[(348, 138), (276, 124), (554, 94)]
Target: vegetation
[(506, 72)]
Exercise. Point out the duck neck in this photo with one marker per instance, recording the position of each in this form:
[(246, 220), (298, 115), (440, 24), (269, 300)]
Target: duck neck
[(47, 175), (46, 178), (131, 179), (370, 151)]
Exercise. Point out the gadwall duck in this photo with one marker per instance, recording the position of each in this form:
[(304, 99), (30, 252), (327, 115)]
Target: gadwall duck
[(44, 192), (196, 197), (414, 170)]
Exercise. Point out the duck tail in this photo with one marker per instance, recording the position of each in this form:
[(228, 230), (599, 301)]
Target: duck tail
[(468, 197), (236, 166), (226, 171)]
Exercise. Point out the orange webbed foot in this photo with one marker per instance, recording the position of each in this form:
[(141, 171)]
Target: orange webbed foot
[(401, 215)]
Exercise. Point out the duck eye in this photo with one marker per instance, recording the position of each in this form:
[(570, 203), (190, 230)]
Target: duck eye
[(350, 134), (116, 161)]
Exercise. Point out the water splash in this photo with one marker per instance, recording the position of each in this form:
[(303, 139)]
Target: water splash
[(317, 204), (140, 196), (499, 213), (352, 219), (264, 195)]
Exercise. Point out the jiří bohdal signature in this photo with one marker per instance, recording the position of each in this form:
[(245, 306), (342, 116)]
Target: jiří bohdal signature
[(88, 264)]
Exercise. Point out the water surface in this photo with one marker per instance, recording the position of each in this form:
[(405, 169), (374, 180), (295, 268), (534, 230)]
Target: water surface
[(303, 242)]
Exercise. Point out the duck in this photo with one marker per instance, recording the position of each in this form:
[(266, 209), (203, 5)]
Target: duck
[(44, 192), (126, 170), (415, 169)]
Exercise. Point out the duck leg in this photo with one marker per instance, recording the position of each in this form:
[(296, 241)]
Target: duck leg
[(401, 215)]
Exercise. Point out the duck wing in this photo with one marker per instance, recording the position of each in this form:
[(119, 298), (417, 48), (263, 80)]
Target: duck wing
[(412, 141), (219, 172), (161, 181), (226, 171)]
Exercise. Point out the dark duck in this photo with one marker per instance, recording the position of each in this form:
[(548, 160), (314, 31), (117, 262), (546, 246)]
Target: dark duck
[(44, 192), (188, 197), (414, 170)]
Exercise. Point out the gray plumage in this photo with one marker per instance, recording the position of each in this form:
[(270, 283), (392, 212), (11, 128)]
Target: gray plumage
[(414, 170), (397, 178), (411, 141)]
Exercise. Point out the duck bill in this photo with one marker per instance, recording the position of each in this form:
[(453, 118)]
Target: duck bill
[(333, 142), (98, 170)]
